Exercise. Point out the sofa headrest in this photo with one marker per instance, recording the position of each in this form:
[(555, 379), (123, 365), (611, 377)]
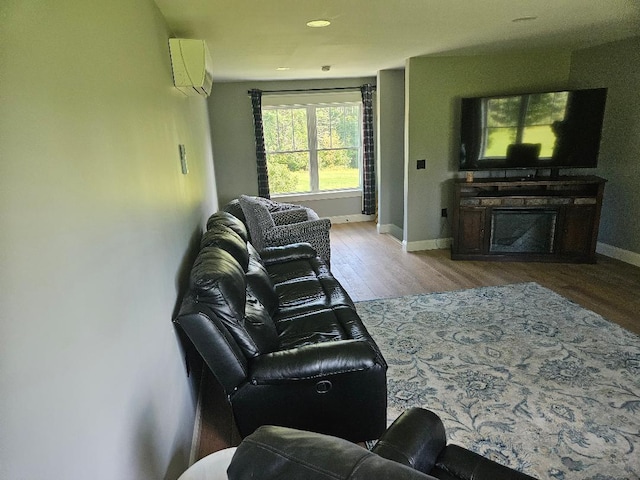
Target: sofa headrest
[(234, 208), (230, 221), (218, 281), (223, 237), (274, 452)]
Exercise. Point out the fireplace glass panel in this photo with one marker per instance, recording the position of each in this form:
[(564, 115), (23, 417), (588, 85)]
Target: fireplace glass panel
[(522, 231)]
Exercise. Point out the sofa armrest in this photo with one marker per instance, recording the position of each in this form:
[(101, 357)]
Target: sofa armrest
[(287, 253), (214, 343), (416, 439), (313, 361), (465, 464), (274, 452)]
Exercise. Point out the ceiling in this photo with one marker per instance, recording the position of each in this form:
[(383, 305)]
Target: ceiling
[(250, 39)]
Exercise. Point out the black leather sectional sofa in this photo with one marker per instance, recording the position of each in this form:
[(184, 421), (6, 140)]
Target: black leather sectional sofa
[(282, 337), (413, 448)]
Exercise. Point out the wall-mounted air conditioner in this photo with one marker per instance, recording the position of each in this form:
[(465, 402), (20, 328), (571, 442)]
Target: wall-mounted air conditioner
[(191, 65)]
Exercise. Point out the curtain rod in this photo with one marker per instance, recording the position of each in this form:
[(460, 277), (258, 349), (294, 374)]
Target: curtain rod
[(311, 89)]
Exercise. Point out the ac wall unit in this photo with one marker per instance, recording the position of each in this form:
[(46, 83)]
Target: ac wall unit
[(191, 65)]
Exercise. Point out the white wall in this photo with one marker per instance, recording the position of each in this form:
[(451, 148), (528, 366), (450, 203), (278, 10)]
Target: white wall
[(96, 221)]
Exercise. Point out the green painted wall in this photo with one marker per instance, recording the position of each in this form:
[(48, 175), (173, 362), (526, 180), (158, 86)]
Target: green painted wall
[(617, 67), (96, 221), (434, 86)]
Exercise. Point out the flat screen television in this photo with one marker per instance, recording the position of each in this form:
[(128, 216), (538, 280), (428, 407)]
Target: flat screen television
[(560, 129)]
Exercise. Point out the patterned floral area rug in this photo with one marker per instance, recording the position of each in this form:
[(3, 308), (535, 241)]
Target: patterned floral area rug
[(518, 374)]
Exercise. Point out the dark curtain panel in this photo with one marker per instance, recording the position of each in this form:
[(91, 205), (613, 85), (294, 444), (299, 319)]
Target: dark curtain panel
[(368, 161), (261, 155)]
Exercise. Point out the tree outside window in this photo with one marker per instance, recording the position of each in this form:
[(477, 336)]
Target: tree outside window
[(313, 148), (523, 119)]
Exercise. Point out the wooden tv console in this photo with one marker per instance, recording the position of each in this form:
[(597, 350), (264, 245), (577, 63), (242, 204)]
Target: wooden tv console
[(529, 219)]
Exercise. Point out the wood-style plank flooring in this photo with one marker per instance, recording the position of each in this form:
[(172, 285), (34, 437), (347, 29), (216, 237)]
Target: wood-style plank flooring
[(370, 265)]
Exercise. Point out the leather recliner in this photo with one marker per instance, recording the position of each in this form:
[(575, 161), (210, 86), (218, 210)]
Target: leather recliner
[(413, 448), (282, 337)]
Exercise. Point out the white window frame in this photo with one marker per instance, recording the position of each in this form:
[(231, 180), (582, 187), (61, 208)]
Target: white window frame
[(311, 101)]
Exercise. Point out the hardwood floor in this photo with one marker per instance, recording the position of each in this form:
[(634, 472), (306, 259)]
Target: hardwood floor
[(370, 265)]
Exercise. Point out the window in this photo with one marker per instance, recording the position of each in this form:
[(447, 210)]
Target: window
[(522, 119), (312, 147)]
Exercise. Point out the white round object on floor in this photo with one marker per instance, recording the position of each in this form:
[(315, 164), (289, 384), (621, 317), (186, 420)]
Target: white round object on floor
[(211, 467)]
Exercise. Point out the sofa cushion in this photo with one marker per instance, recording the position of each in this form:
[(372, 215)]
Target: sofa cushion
[(218, 281), (294, 268), (317, 326), (310, 328), (306, 284), (287, 253)]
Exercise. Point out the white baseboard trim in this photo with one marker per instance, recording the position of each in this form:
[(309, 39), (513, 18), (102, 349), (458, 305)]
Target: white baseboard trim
[(435, 244), (626, 256), (386, 228), (391, 229), (356, 217)]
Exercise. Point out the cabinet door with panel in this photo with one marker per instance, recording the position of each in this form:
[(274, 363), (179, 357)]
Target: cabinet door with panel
[(471, 229), (577, 234)]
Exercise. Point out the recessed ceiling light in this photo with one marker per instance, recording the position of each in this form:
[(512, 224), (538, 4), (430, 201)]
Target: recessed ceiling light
[(527, 18), (282, 69), (318, 23)]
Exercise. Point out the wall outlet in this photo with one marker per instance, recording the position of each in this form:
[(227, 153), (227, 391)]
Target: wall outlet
[(421, 164), (444, 213)]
